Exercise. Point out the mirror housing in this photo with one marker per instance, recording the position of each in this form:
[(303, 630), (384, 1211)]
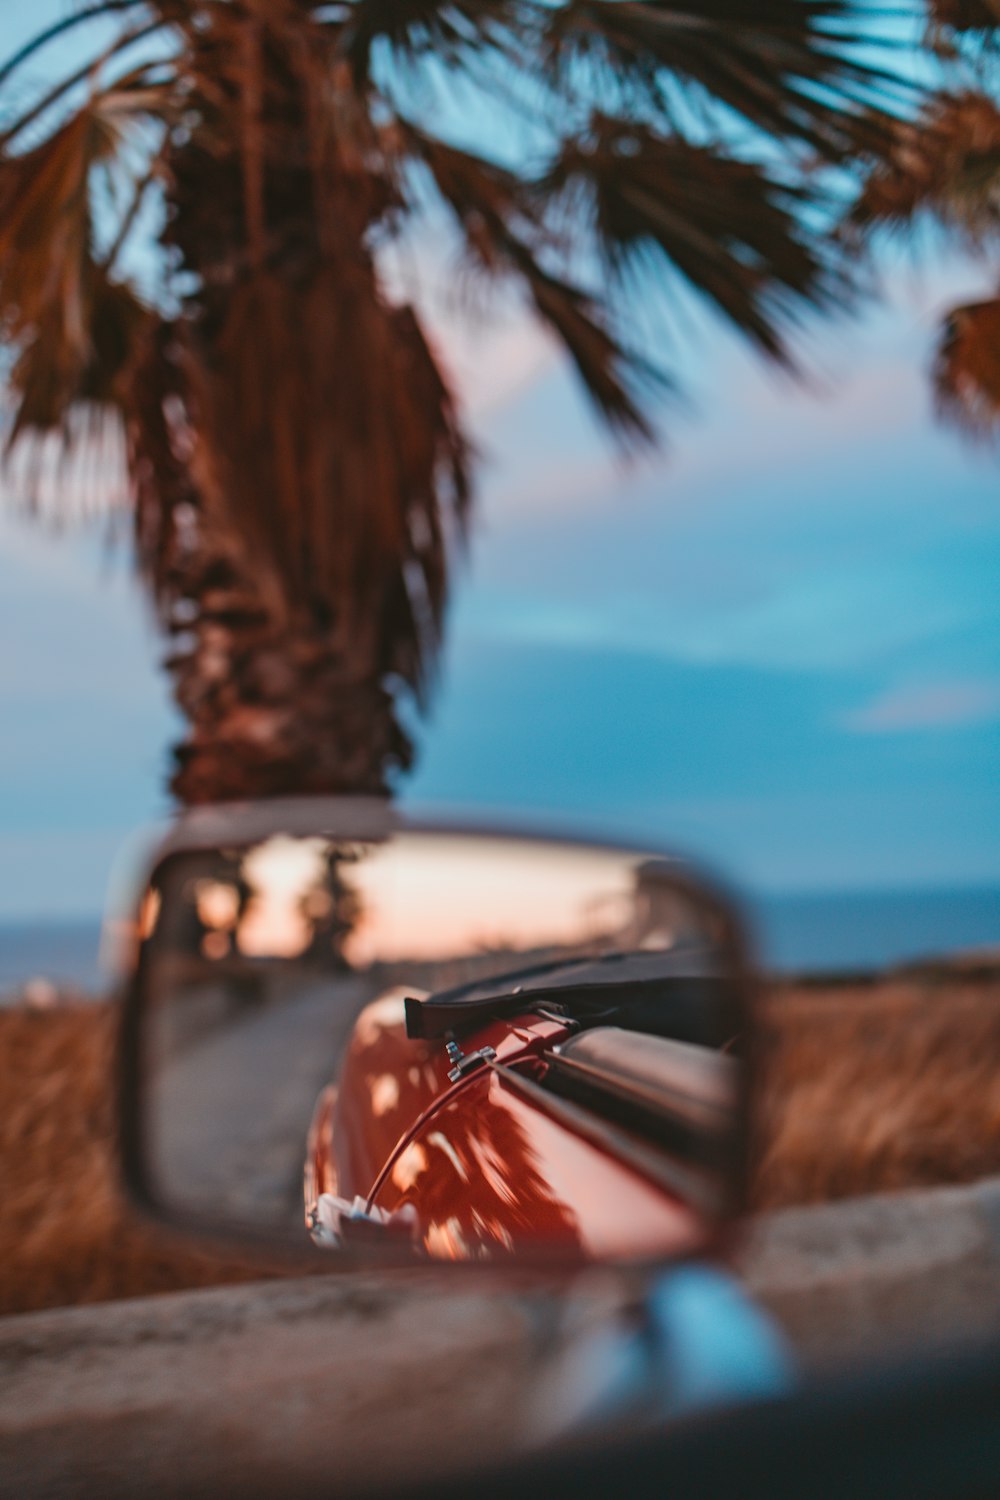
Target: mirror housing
[(410, 1041)]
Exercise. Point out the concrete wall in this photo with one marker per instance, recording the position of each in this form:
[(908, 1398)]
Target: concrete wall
[(328, 1381), (872, 1274)]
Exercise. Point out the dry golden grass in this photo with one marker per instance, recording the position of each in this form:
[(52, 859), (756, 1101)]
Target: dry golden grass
[(66, 1236), (864, 1088), (869, 1088)]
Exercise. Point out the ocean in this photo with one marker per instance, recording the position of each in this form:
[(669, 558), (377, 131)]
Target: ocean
[(65, 952), (839, 931), (863, 930)]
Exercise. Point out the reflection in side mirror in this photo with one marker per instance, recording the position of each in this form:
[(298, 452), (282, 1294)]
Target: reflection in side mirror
[(421, 1043)]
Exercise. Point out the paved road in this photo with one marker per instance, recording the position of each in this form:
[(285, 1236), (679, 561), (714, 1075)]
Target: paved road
[(232, 1099)]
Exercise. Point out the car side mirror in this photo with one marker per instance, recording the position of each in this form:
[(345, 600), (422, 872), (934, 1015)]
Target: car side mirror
[(350, 1035)]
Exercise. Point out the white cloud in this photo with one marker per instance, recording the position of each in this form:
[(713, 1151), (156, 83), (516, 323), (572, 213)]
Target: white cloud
[(929, 705)]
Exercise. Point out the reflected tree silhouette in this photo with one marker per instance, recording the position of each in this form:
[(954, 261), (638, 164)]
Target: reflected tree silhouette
[(333, 908), (504, 1202)]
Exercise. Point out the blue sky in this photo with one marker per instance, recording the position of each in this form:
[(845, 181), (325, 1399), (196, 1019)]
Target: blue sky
[(780, 644), (777, 643)]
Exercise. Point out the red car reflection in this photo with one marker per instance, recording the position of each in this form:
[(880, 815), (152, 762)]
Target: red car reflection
[(525, 1134)]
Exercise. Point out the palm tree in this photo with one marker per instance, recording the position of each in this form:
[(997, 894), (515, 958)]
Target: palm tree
[(193, 239), (944, 166)]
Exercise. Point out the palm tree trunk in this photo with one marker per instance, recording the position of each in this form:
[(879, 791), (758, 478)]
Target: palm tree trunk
[(277, 706)]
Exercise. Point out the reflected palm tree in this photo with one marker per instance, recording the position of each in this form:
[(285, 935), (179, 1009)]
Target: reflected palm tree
[(332, 908)]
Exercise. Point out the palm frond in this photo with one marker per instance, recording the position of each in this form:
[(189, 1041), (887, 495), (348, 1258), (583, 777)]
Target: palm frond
[(946, 164), (963, 17), (70, 325), (478, 191), (797, 70), (47, 273), (731, 229), (53, 375), (610, 373), (72, 328), (501, 219), (84, 75), (59, 28), (446, 29), (967, 369)]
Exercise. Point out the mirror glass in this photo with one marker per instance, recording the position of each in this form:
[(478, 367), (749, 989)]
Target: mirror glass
[(457, 1045)]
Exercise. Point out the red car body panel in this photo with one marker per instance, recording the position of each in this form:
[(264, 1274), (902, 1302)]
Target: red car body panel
[(482, 1164)]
